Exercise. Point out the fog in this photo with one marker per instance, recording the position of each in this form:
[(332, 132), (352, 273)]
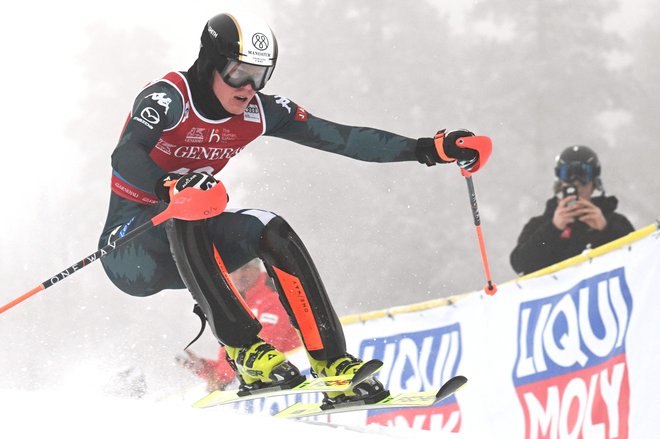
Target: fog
[(536, 76)]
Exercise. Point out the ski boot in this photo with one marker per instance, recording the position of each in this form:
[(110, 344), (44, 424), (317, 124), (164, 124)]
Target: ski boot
[(370, 390), (260, 365)]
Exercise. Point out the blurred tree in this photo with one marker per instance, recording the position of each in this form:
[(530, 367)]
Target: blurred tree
[(553, 75), (639, 152)]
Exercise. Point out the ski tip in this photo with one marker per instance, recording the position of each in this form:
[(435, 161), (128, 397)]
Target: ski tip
[(366, 370), (206, 401), (450, 387)]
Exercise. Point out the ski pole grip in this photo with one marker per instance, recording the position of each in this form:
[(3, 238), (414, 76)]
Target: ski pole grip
[(193, 204), (484, 147)]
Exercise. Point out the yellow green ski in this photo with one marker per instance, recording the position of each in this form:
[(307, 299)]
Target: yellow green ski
[(400, 400)]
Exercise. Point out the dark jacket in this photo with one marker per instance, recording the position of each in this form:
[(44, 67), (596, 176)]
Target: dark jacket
[(541, 244)]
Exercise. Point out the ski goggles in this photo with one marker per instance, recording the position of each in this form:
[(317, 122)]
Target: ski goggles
[(238, 74), (583, 172)]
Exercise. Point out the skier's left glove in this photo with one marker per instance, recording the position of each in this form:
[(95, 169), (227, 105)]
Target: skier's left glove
[(170, 184), (444, 149)]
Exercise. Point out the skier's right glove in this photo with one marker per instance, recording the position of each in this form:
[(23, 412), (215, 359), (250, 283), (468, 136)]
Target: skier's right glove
[(172, 183)]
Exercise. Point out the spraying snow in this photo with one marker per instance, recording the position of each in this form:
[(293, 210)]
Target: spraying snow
[(84, 414)]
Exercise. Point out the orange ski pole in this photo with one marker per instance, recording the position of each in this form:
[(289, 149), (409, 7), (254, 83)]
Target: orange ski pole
[(491, 288), (189, 204), (484, 146)]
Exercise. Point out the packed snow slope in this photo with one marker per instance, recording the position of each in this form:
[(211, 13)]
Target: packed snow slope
[(81, 414)]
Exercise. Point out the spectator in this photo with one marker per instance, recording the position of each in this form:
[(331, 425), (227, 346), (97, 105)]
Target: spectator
[(259, 292), (573, 220)]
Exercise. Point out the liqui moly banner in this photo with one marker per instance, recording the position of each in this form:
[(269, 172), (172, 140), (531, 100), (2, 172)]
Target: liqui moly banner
[(571, 354), (416, 361), (571, 370)]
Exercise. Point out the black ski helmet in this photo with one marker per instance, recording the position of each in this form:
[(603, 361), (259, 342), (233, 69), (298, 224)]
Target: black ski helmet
[(578, 162), (241, 37)]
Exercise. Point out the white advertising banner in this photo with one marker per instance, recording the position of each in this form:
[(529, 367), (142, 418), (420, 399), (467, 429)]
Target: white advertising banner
[(570, 354)]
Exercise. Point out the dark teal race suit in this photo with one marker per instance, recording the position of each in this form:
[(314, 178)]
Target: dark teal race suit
[(176, 126)]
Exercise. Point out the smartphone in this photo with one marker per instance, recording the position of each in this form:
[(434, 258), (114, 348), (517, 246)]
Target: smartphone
[(568, 191)]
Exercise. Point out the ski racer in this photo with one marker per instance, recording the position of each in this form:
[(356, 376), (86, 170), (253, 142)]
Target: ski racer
[(181, 131)]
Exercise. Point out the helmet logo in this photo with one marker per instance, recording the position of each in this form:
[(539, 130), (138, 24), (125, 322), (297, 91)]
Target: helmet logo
[(260, 41)]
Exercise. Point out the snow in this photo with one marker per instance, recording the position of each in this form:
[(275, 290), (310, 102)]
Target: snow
[(88, 414)]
